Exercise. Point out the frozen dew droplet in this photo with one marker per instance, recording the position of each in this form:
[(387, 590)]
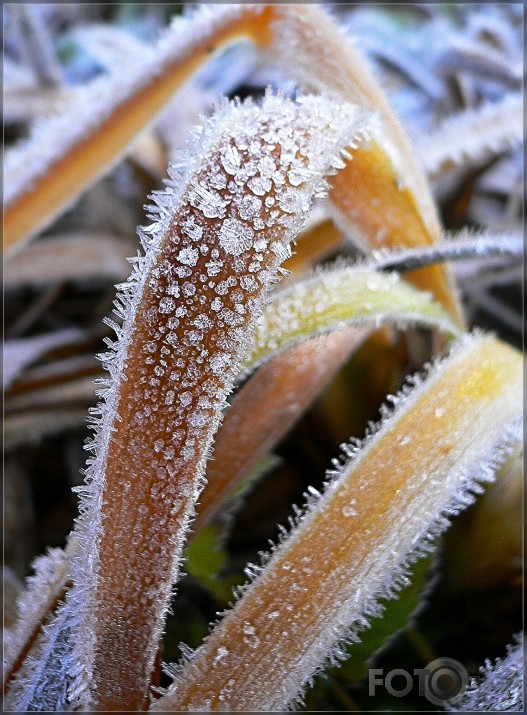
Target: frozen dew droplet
[(166, 305), (250, 636), (294, 201), (188, 256), (249, 207), (185, 398), (260, 185), (221, 653), (192, 230), (266, 167), (235, 236), (219, 363)]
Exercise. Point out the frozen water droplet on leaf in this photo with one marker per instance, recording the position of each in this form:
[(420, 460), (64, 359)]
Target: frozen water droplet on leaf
[(235, 236)]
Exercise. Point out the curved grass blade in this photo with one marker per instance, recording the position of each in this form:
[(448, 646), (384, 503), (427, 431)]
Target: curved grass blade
[(44, 591), (320, 56), (218, 251), (340, 296), (473, 136), (380, 509), (224, 226), (298, 367), (71, 150)]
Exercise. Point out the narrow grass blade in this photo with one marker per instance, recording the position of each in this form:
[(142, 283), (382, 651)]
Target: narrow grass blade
[(473, 136), (266, 408), (321, 57), (467, 244), (44, 591), (379, 510), (71, 150), (279, 392), (340, 296), (215, 245)]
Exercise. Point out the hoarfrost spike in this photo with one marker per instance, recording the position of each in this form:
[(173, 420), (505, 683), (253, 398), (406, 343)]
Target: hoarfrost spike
[(473, 135)]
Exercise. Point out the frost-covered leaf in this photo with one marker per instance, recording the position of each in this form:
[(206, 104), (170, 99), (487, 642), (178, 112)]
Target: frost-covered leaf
[(298, 366), (380, 508), (473, 136), (65, 154), (381, 197), (40, 597), (220, 231), (340, 296), (320, 56), (461, 55), (373, 204)]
